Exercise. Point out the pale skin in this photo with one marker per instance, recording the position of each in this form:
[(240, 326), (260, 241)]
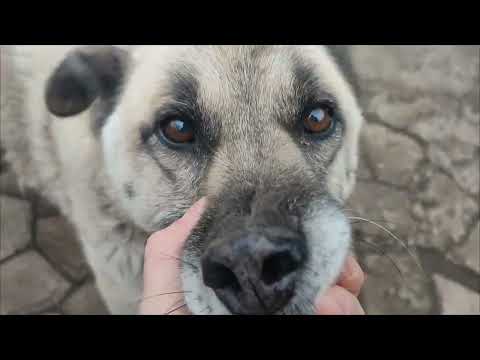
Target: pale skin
[(163, 294)]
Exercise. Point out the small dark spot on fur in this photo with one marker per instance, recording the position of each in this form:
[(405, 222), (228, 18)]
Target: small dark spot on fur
[(129, 190), (121, 228)]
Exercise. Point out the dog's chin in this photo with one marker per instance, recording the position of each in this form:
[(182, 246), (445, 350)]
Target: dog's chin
[(328, 235), (200, 299)]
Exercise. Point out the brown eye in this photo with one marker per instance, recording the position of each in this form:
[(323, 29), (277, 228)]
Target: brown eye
[(178, 131), (318, 121)]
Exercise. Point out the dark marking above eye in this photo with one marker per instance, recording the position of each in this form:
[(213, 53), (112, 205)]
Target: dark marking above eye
[(184, 87), (181, 121), (129, 190), (307, 85), (121, 228)]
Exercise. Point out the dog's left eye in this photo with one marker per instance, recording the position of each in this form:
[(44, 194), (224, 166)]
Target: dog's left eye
[(318, 121), (178, 131)]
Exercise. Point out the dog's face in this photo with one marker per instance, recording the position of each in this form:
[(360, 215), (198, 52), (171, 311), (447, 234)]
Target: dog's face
[(268, 133)]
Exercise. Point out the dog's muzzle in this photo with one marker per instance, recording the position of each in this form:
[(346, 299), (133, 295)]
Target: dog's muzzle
[(254, 257), (255, 272)]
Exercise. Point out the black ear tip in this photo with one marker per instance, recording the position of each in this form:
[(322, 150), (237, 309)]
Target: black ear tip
[(84, 75), (67, 98), (71, 89)]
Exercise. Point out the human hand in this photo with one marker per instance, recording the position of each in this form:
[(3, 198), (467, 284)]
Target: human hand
[(163, 292)]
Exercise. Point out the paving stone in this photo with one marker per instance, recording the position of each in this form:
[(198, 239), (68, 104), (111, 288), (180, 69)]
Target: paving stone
[(15, 219), (463, 166), (85, 301), (413, 70), (363, 172), (45, 208), (56, 238), (459, 151), (400, 113), (3, 163), (447, 128), (446, 211), (468, 253), (386, 292), (386, 206), (394, 156), (29, 284), (50, 313), (456, 299), (9, 184), (468, 177)]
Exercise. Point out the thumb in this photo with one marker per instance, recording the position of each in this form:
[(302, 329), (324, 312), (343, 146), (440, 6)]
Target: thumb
[(338, 301)]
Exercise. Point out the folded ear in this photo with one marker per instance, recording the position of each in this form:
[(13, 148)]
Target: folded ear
[(87, 73)]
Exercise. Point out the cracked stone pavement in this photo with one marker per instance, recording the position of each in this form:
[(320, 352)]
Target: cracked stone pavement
[(418, 178)]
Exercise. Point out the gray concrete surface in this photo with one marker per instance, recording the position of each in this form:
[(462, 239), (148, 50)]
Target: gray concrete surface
[(419, 178)]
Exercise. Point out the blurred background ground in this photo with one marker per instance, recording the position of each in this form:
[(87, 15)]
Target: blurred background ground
[(418, 177)]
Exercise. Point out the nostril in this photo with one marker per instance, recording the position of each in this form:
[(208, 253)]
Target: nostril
[(277, 266), (218, 276)]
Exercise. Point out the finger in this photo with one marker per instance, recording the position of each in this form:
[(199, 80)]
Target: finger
[(182, 228), (157, 306), (163, 292), (338, 301), (352, 277), (173, 237)]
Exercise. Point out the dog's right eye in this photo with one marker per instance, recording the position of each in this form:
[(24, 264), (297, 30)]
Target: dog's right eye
[(178, 131)]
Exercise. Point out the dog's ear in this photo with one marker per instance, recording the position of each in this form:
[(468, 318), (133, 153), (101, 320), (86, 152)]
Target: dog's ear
[(86, 73)]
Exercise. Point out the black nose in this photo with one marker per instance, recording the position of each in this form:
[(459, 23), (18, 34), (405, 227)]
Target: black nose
[(255, 273)]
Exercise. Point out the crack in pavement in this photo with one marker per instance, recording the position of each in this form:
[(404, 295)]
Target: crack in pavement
[(435, 261), (377, 120)]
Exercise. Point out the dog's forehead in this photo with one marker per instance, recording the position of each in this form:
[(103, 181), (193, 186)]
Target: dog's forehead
[(222, 71), (230, 81), (243, 70), (244, 82)]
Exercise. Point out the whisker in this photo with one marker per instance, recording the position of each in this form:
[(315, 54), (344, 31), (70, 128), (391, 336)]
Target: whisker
[(175, 309), (383, 253), (172, 306), (380, 221), (162, 294), (393, 236), (354, 213), (179, 259), (357, 213)]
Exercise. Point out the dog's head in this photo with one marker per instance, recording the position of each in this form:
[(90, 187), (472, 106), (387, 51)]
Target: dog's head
[(268, 133)]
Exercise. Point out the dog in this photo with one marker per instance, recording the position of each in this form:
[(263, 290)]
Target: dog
[(124, 139)]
